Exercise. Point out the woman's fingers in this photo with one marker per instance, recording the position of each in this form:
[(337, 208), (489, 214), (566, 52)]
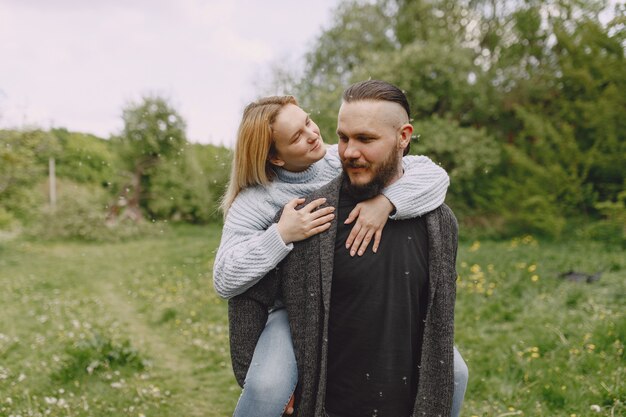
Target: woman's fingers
[(365, 243), (292, 204), (314, 204), (359, 240), (322, 220), (353, 214), (322, 212), (353, 234), (377, 236), (319, 229)]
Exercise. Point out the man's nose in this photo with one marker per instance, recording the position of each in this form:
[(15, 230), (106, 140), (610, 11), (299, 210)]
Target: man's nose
[(352, 150)]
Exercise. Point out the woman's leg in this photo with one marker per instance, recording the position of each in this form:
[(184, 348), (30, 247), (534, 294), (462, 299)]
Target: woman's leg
[(461, 375), (272, 376)]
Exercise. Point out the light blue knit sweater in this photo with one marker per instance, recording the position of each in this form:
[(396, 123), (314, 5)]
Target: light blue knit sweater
[(251, 245)]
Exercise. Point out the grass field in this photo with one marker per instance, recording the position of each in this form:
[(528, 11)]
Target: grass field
[(135, 329)]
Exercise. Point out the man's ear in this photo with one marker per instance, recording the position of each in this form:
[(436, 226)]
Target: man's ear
[(406, 132)]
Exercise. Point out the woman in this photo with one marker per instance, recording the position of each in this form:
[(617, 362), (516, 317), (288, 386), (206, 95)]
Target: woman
[(279, 157)]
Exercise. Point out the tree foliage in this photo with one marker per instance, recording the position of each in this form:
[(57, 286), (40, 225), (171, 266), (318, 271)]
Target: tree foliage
[(188, 187), (23, 165), (153, 130), (528, 94)]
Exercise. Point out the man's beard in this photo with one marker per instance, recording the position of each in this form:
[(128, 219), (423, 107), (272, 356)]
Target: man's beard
[(382, 176)]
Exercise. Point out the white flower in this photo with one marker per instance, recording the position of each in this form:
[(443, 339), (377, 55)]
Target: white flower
[(50, 400), (596, 408)]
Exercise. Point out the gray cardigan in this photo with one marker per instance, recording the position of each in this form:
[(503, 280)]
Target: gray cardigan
[(303, 282)]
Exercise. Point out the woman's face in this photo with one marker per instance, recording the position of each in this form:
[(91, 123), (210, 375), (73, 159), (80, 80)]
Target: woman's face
[(297, 140)]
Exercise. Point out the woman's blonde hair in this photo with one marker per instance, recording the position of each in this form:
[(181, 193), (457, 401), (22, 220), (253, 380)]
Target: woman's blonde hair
[(255, 146)]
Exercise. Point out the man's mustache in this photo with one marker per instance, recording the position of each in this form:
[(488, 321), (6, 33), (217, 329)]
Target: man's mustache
[(351, 163)]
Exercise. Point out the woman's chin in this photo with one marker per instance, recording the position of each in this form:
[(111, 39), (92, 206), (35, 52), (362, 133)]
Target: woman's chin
[(321, 152)]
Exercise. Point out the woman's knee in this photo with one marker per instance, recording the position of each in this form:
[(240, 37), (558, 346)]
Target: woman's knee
[(269, 386)]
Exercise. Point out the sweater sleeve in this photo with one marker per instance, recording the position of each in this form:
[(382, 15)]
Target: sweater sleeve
[(249, 249), (421, 189)]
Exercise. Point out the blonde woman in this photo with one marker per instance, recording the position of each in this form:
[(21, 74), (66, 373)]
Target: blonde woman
[(280, 157)]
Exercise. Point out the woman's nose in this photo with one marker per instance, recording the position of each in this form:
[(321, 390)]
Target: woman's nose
[(311, 136)]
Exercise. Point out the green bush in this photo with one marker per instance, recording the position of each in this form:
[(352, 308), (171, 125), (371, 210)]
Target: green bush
[(611, 229), (81, 213), (188, 187), (7, 220), (97, 353), (85, 158)]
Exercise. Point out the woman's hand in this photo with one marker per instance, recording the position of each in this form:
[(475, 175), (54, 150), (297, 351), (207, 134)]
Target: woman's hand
[(289, 406), (295, 225), (371, 218)]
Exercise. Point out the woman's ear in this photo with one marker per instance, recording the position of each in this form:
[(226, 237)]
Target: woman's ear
[(275, 160)]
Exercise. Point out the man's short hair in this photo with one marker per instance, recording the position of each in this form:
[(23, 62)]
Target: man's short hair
[(378, 90)]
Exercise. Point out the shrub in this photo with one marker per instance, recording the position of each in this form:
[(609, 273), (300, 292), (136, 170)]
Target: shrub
[(81, 213), (97, 353)]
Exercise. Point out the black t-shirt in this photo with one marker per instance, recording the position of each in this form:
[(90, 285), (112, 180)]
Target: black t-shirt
[(377, 313)]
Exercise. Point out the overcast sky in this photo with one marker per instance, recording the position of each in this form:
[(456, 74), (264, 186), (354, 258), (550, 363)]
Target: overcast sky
[(77, 63)]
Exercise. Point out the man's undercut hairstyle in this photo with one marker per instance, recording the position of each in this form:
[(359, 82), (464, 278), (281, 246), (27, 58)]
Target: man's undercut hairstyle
[(378, 90)]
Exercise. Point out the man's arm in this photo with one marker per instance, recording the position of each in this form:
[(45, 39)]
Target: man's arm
[(436, 384)]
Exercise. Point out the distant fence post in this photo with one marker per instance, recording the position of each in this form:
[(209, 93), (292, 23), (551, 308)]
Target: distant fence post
[(53, 187)]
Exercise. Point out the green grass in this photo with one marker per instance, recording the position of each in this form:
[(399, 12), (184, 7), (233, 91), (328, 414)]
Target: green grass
[(134, 328)]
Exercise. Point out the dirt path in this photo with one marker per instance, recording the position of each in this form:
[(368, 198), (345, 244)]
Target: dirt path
[(168, 359)]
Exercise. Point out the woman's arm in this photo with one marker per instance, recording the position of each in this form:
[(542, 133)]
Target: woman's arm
[(247, 252), (244, 257), (420, 190)]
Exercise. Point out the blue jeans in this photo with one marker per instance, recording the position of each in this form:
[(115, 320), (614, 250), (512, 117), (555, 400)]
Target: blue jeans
[(461, 375), (273, 373)]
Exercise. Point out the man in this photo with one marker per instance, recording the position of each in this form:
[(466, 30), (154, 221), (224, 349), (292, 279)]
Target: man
[(381, 342)]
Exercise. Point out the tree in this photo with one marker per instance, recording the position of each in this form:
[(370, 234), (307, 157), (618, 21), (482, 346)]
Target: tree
[(23, 162), (152, 130)]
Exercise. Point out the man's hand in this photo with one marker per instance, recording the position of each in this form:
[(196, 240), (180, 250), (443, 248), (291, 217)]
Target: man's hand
[(371, 218), (289, 406), (295, 225)]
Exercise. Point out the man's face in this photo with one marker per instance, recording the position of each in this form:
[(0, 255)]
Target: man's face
[(372, 135)]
